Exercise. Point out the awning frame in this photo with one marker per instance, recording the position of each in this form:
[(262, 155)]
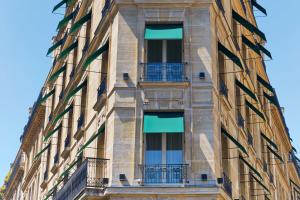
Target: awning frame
[(75, 90), (230, 55), (234, 141), (94, 55), (253, 108), (245, 89), (58, 117)]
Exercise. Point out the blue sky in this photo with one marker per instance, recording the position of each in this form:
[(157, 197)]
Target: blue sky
[(26, 29)]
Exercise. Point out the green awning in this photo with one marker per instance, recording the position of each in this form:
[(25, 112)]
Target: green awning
[(52, 92), (99, 132), (250, 45), (164, 122), (50, 133), (245, 89), (65, 20), (58, 117), (250, 166), (234, 141), (77, 89), (260, 183), (264, 50), (80, 22), (56, 74), (65, 52), (259, 7), (248, 25), (275, 154), (60, 4), (164, 32), (68, 169), (94, 55), (230, 55), (54, 46), (272, 99), (269, 141), (255, 110), (41, 152), (265, 83)]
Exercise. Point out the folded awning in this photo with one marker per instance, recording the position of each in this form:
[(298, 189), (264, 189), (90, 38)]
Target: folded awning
[(47, 96), (250, 45), (245, 89), (164, 122), (260, 183), (50, 133), (164, 32), (264, 50), (67, 170), (58, 117), (66, 51), (230, 55), (66, 20), (275, 154), (56, 74), (250, 166), (269, 141), (60, 4), (234, 141), (248, 25), (272, 99), (99, 132), (54, 46), (265, 83), (259, 7), (80, 22), (74, 91), (255, 110), (94, 55), (42, 151)]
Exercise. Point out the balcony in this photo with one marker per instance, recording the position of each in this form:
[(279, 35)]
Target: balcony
[(67, 145), (163, 174), (102, 96), (80, 127), (160, 73), (227, 184), (90, 175)]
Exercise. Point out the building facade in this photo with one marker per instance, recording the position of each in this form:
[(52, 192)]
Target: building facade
[(152, 99)]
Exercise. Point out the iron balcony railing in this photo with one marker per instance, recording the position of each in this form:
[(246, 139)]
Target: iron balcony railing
[(227, 184), (163, 72), (92, 173), (163, 173)]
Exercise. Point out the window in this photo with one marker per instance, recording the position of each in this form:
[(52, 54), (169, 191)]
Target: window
[(235, 32), (81, 120), (222, 74), (70, 129), (225, 154), (243, 183)]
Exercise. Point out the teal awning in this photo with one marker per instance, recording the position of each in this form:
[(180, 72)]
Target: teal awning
[(248, 25), (80, 22), (264, 50), (269, 141), (260, 183), (74, 91), (58, 117), (52, 92), (54, 46), (99, 132), (60, 4), (250, 166), (66, 51), (259, 7), (56, 74), (230, 55), (275, 154), (65, 20), (50, 133), (245, 89), (234, 141), (164, 32), (250, 45), (272, 99), (94, 55), (42, 151), (255, 110), (164, 122), (265, 83)]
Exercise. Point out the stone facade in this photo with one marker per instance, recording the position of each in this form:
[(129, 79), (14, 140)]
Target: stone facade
[(229, 151)]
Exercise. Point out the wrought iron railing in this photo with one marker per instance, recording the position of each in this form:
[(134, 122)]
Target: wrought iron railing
[(163, 174), (92, 173), (102, 88), (163, 72), (227, 184)]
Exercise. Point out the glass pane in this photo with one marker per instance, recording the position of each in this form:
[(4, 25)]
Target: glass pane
[(153, 149), (155, 51), (174, 148), (174, 51)]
